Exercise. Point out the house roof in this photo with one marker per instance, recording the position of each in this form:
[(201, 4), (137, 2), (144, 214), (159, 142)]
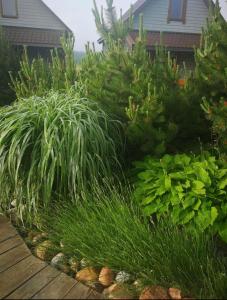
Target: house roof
[(172, 40), (139, 4), (56, 16), (33, 36)]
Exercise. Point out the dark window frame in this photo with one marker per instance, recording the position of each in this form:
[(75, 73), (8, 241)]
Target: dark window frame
[(8, 16), (183, 13)]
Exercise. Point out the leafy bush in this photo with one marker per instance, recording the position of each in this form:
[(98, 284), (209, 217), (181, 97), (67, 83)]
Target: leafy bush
[(39, 76), (51, 148), (193, 190), (8, 62), (109, 230)]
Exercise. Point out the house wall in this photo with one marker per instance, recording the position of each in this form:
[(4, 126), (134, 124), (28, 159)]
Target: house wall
[(155, 14), (33, 13)]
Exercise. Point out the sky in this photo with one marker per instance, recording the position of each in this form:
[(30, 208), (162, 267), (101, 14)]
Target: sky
[(77, 14)]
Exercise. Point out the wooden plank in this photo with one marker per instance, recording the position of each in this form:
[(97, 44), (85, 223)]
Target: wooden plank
[(17, 275), (10, 244), (57, 289), (79, 291), (35, 284), (6, 231), (12, 257)]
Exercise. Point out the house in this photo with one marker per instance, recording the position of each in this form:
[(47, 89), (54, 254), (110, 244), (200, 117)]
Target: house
[(31, 23), (179, 21)]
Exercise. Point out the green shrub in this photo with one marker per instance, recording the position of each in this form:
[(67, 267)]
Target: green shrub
[(210, 79), (193, 190), (39, 76), (109, 230), (209, 83), (217, 114), (52, 148), (122, 82), (8, 62), (142, 91)]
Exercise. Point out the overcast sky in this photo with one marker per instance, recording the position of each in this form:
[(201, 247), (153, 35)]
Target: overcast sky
[(78, 16)]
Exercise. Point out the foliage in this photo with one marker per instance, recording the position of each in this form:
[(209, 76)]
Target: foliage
[(143, 92), (210, 80), (193, 190), (38, 76), (111, 28), (141, 89), (52, 148), (211, 62), (217, 114), (125, 241), (8, 62)]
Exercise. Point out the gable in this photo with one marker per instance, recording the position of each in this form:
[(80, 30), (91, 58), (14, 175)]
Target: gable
[(155, 14), (139, 4), (34, 14)]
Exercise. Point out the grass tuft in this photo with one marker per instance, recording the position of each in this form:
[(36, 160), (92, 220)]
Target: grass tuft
[(52, 148), (108, 230)]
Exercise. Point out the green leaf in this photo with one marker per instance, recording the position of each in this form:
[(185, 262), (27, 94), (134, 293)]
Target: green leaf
[(148, 200), (183, 160), (204, 176), (197, 205), (168, 183), (188, 202), (222, 185), (186, 217), (198, 187), (177, 175), (174, 199), (214, 214), (151, 209)]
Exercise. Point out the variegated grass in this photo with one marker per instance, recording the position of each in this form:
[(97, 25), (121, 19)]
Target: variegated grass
[(53, 147)]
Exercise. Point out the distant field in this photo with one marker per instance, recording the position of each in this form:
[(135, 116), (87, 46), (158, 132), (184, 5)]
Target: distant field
[(79, 55)]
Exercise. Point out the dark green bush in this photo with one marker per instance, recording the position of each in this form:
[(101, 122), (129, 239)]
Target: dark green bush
[(8, 62), (53, 147), (143, 92), (192, 190), (107, 229)]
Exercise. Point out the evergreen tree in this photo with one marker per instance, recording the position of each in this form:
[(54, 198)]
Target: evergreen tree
[(211, 58), (109, 25), (211, 75)]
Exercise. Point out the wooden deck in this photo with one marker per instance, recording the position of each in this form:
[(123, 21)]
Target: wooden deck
[(22, 276)]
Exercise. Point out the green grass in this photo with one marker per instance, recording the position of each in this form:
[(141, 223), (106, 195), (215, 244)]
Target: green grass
[(53, 147), (108, 230)]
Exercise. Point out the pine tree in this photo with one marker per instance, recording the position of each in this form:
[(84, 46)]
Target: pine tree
[(109, 25), (211, 58), (211, 75)]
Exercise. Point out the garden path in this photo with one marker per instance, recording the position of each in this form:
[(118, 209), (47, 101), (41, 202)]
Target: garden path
[(22, 276)]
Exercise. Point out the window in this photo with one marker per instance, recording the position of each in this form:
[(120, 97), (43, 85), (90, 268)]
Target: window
[(177, 10), (9, 8)]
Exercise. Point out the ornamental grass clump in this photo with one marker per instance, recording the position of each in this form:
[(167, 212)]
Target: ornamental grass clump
[(52, 148), (107, 229)]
